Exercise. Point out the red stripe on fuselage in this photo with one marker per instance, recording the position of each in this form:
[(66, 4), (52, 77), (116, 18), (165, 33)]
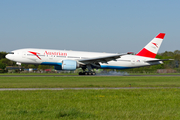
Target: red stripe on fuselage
[(35, 53), (146, 53)]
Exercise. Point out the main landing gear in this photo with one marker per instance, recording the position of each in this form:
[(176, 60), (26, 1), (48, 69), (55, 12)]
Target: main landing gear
[(87, 73)]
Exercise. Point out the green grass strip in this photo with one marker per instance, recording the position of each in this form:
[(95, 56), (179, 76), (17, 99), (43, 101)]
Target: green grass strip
[(146, 104), (90, 82)]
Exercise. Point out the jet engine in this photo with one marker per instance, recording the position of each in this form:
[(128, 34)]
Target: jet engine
[(67, 65)]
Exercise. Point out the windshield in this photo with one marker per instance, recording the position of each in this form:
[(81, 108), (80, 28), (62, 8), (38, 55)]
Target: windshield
[(10, 52)]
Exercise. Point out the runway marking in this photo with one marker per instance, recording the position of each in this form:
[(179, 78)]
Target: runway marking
[(119, 88)]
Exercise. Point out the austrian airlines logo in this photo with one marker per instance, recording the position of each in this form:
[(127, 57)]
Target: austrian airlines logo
[(55, 53), (35, 53), (155, 44)]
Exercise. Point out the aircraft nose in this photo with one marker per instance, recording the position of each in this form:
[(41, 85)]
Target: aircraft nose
[(9, 56)]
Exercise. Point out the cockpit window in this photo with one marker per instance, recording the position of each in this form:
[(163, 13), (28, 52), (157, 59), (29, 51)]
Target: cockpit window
[(10, 52)]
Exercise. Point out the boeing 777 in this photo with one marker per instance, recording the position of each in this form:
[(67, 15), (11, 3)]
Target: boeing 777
[(71, 60)]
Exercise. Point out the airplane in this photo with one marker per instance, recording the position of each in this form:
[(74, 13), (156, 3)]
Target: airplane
[(88, 61)]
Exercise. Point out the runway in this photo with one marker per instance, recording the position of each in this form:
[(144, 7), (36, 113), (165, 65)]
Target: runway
[(77, 75), (113, 88)]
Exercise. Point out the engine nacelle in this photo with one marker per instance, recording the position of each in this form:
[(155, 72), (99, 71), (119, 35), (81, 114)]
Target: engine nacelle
[(69, 65)]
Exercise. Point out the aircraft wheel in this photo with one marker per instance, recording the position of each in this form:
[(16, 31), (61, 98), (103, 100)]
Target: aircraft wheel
[(90, 73), (80, 73), (85, 73)]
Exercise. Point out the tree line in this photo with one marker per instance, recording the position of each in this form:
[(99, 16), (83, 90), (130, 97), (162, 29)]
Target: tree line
[(173, 64)]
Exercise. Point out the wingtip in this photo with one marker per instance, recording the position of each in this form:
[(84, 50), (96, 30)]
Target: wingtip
[(161, 35)]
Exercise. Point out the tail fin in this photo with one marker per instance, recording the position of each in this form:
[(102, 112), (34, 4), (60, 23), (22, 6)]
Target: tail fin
[(151, 49)]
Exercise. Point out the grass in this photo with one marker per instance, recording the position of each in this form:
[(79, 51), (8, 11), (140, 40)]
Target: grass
[(91, 104), (91, 81), (106, 104)]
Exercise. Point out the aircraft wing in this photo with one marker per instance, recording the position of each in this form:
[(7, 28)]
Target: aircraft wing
[(104, 59), (158, 60)]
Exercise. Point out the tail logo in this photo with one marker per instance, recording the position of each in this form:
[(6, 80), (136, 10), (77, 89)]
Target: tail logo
[(155, 44), (35, 53)]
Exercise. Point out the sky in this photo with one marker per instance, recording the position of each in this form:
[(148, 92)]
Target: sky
[(114, 26)]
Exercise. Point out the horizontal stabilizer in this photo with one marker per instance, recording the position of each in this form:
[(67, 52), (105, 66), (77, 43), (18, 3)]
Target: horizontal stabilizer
[(158, 60)]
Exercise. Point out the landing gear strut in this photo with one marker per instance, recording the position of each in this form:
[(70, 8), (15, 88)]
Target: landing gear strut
[(89, 72)]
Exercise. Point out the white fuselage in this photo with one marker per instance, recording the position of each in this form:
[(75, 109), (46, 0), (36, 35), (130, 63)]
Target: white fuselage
[(55, 57)]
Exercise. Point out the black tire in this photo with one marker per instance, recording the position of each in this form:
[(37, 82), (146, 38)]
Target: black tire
[(89, 73), (80, 73)]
